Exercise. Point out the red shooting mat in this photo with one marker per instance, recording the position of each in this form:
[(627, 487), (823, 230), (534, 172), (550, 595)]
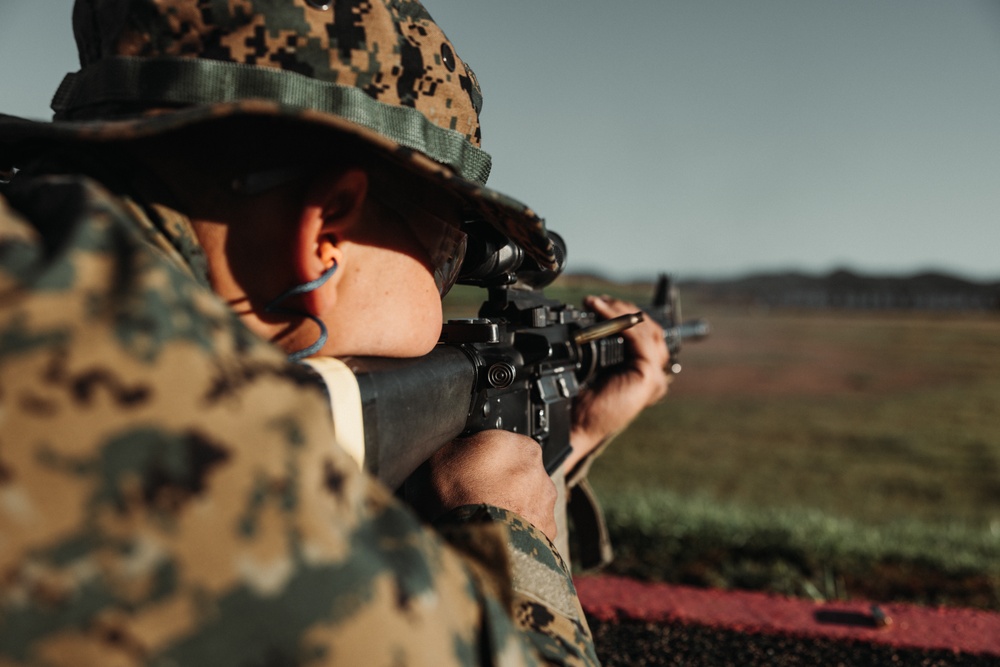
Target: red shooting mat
[(610, 599)]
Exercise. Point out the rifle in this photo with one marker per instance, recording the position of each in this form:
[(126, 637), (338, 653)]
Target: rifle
[(517, 366)]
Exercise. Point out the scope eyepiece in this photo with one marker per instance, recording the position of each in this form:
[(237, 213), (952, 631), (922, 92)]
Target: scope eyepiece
[(493, 260)]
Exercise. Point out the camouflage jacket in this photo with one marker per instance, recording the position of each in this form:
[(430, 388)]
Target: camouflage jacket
[(170, 493)]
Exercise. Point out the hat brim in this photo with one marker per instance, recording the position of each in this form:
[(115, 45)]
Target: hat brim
[(22, 138)]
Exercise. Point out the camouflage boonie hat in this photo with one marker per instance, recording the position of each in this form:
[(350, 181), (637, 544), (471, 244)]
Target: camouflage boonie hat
[(380, 70)]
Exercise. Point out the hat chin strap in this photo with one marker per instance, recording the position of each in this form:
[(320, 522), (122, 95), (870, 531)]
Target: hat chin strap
[(172, 82)]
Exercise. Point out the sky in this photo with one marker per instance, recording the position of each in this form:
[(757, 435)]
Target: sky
[(708, 138)]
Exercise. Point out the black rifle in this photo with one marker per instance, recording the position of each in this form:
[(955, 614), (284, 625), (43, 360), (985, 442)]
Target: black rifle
[(517, 366)]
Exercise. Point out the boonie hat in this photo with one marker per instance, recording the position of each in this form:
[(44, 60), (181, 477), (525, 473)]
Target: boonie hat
[(379, 70)]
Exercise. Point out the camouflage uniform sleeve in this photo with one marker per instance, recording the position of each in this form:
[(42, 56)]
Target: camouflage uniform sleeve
[(170, 493), (541, 594)]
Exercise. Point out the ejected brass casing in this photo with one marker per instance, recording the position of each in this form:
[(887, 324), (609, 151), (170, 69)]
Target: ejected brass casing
[(607, 328)]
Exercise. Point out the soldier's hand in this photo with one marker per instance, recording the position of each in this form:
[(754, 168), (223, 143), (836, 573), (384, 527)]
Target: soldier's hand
[(496, 468), (611, 404)]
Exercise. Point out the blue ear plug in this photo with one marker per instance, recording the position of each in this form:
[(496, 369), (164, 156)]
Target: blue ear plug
[(273, 308)]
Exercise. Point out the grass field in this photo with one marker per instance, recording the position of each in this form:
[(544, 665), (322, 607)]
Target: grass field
[(817, 453)]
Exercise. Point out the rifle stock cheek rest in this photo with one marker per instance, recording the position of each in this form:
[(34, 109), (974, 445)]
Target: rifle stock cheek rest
[(410, 408)]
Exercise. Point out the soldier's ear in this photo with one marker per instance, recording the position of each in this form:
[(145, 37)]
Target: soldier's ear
[(334, 205)]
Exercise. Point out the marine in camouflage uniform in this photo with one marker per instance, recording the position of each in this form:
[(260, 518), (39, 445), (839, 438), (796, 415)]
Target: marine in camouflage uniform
[(170, 492)]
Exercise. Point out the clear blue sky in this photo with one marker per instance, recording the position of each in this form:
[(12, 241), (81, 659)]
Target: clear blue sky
[(709, 137)]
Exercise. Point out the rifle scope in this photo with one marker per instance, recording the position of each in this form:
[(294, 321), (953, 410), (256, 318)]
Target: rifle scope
[(494, 260)]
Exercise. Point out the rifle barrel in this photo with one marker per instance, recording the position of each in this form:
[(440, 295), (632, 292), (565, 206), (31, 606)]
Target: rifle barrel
[(691, 330)]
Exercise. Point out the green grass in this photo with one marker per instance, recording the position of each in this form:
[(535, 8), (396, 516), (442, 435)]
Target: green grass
[(661, 536), (816, 453), (871, 461)]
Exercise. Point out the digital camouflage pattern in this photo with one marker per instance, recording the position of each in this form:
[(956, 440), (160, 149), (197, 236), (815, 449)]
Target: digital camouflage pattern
[(380, 70), (392, 51), (170, 493)]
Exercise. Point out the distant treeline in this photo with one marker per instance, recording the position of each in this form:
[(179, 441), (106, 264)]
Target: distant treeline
[(845, 289)]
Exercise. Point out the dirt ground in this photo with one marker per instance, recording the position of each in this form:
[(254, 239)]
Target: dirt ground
[(633, 643), (818, 353)]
